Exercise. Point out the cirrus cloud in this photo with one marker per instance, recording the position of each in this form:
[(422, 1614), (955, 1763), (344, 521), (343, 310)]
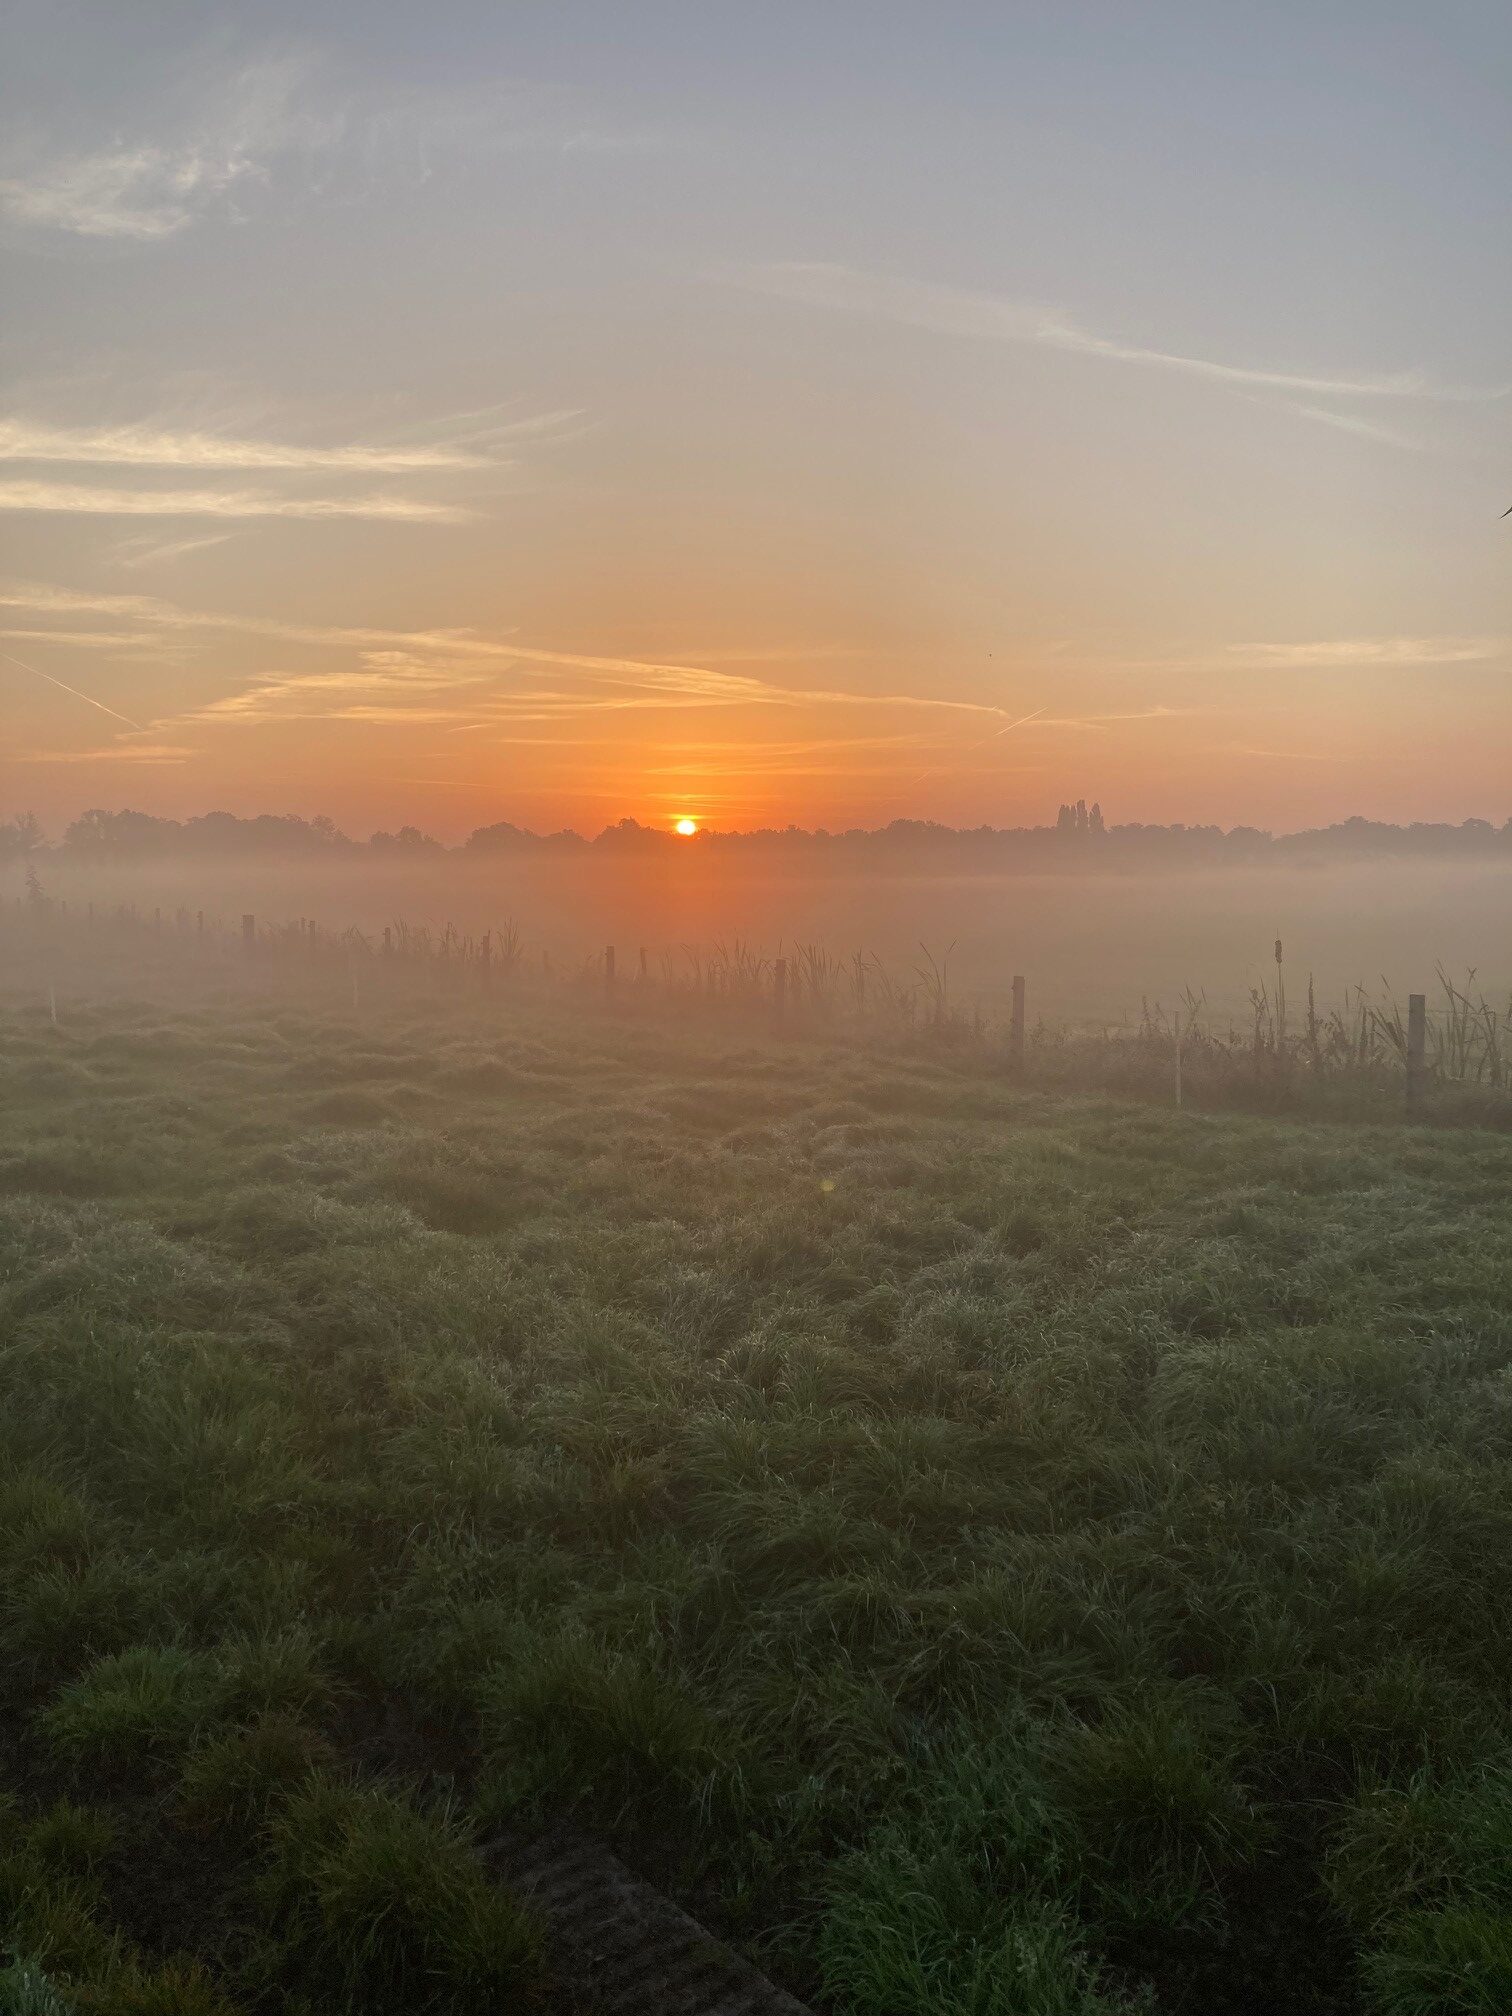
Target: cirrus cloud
[(155, 185), (143, 446), (960, 311), (26, 495)]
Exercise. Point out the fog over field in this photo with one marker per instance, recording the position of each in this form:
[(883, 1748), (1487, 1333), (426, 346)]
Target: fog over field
[(1092, 945), (755, 1008)]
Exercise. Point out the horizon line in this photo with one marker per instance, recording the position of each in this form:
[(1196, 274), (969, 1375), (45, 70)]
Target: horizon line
[(1076, 821)]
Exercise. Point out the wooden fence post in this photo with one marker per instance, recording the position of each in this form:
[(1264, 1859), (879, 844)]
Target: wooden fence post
[(1016, 1025), (1417, 1050)]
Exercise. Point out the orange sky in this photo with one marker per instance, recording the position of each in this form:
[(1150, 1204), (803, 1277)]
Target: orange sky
[(453, 427)]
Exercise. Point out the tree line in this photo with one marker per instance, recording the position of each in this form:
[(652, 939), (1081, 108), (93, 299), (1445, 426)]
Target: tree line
[(1079, 835)]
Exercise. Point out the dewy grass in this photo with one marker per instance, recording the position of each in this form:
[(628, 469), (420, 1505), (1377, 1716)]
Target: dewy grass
[(385, 1907), (238, 1776), (983, 1546), (129, 1707)]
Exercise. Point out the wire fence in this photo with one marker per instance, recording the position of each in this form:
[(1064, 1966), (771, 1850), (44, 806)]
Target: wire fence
[(1450, 1038)]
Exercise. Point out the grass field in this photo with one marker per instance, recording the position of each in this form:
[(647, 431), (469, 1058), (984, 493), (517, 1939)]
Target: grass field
[(987, 1551)]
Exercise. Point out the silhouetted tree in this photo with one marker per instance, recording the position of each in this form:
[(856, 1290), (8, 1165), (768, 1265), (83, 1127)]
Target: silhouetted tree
[(20, 836), (499, 839), (408, 840), (107, 836), (629, 835)]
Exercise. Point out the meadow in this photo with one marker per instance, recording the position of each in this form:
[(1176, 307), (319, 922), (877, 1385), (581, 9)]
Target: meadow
[(1093, 945), (986, 1545)]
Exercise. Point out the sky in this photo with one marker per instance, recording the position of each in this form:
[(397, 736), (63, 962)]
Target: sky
[(756, 414)]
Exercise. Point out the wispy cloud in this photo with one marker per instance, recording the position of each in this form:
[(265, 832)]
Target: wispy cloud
[(1100, 721), (544, 686), (125, 647), (147, 446), (1271, 755), (146, 549), (219, 136), (773, 654), (78, 640), (1365, 430), (135, 193), (45, 598), (23, 494), (465, 648), (148, 753), (332, 696), (168, 446), (955, 311), (488, 428), (1346, 653), (157, 185), (655, 684)]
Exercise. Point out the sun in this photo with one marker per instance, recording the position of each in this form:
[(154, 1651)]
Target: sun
[(687, 828)]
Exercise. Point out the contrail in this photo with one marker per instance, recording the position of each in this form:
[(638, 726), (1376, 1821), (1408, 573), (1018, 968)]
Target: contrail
[(1016, 724), (37, 672), (1006, 729)]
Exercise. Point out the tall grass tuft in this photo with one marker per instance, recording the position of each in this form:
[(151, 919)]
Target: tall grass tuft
[(383, 1906)]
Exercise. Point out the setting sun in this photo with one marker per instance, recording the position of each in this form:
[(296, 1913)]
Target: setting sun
[(687, 828)]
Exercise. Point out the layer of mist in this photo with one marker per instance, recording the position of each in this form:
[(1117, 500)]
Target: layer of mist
[(1093, 945)]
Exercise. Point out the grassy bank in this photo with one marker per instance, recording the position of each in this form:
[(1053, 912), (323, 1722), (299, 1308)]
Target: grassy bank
[(983, 1549)]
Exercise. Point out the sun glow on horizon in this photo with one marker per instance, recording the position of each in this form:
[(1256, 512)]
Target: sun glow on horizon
[(437, 512)]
